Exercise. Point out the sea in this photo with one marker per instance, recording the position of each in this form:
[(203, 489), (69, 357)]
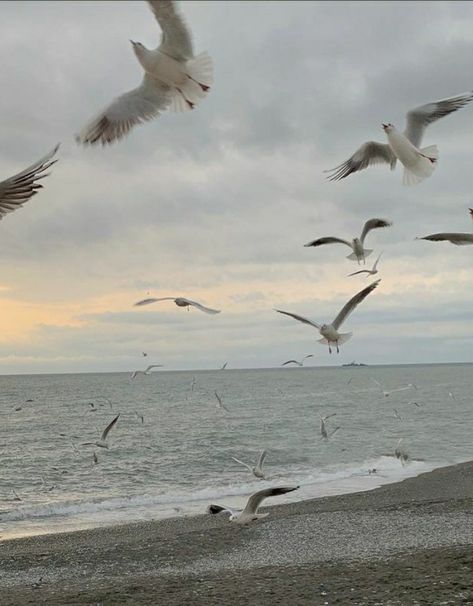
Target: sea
[(170, 451)]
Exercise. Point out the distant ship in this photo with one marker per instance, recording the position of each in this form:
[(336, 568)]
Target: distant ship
[(355, 364)]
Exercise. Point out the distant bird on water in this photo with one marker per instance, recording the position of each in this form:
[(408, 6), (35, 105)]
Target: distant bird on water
[(174, 79), (357, 244), (459, 239), (250, 513), (102, 443), (257, 470), (180, 302), (301, 363), (20, 188), (419, 163), (146, 371), (329, 332)]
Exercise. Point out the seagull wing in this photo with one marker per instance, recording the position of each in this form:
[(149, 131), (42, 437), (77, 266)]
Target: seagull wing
[(20, 188), (361, 271), (241, 463), (291, 362), (328, 240), (153, 366), (261, 458), (207, 310), (308, 356), (419, 118), (352, 303), (134, 373), (457, 239), (300, 318), (258, 497), (214, 509), (139, 105), (108, 428), (149, 301), (368, 154), (373, 224), (176, 39), (376, 262)]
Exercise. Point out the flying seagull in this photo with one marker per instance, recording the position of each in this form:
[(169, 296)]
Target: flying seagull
[(301, 363), (419, 163), (373, 271), (359, 252), (147, 370), (401, 453), (102, 443), (257, 470), (20, 188), (220, 403), (250, 513), (173, 79), (180, 302), (459, 239), (224, 366), (329, 332), (323, 429), (387, 393)]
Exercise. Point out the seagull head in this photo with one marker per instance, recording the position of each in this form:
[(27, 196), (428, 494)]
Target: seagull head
[(138, 48), (388, 127)]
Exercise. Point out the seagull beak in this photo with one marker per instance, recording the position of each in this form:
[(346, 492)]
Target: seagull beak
[(385, 126), (133, 42)]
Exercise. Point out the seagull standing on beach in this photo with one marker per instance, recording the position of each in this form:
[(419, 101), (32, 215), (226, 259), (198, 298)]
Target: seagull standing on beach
[(357, 244), (257, 470), (250, 513), (459, 239), (180, 302), (369, 272), (20, 188), (301, 363), (329, 332), (102, 443), (146, 371), (419, 163), (174, 79)]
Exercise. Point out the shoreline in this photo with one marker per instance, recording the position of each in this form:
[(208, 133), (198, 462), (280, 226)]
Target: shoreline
[(416, 534)]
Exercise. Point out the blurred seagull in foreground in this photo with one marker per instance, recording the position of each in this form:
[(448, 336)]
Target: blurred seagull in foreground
[(459, 239), (250, 513), (257, 470), (180, 302), (102, 443), (419, 163), (20, 188), (147, 371), (371, 272), (174, 79), (329, 332), (357, 244), (301, 363)]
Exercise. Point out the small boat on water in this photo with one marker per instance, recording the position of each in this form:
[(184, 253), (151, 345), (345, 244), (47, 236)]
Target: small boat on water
[(355, 364)]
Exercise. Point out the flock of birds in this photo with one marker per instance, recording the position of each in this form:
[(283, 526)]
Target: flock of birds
[(176, 79)]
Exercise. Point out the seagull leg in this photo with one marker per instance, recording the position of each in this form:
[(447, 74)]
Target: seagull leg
[(338, 351), (189, 103), (204, 87), (329, 348)]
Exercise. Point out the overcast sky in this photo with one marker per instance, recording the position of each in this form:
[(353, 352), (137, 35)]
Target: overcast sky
[(216, 204)]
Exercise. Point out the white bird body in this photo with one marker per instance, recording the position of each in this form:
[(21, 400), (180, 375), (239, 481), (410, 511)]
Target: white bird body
[(418, 163), (180, 302), (257, 470), (250, 513), (102, 443)]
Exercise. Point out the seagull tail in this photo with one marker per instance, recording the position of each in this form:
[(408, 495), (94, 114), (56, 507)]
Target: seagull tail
[(199, 73), (423, 168), (200, 69), (343, 338)]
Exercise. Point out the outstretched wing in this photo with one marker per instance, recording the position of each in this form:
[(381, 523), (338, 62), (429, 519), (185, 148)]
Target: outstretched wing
[(376, 262), (307, 356), (149, 301), (352, 303), (241, 463), (361, 271), (20, 188), (457, 239), (291, 362), (261, 459), (419, 118), (176, 39), (207, 310), (373, 224), (139, 105), (368, 154), (300, 318), (328, 240), (153, 366), (258, 497), (108, 428)]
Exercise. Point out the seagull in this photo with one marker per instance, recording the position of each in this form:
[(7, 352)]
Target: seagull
[(102, 443), (301, 363), (250, 513), (20, 188), (400, 453), (419, 163), (96, 459), (459, 239), (373, 271), (144, 354), (330, 332), (180, 302), (173, 79), (323, 429), (357, 244), (396, 414), (257, 470), (147, 370), (220, 403), (386, 393), (224, 366)]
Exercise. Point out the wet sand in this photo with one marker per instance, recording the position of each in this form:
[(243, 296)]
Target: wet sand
[(402, 544)]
